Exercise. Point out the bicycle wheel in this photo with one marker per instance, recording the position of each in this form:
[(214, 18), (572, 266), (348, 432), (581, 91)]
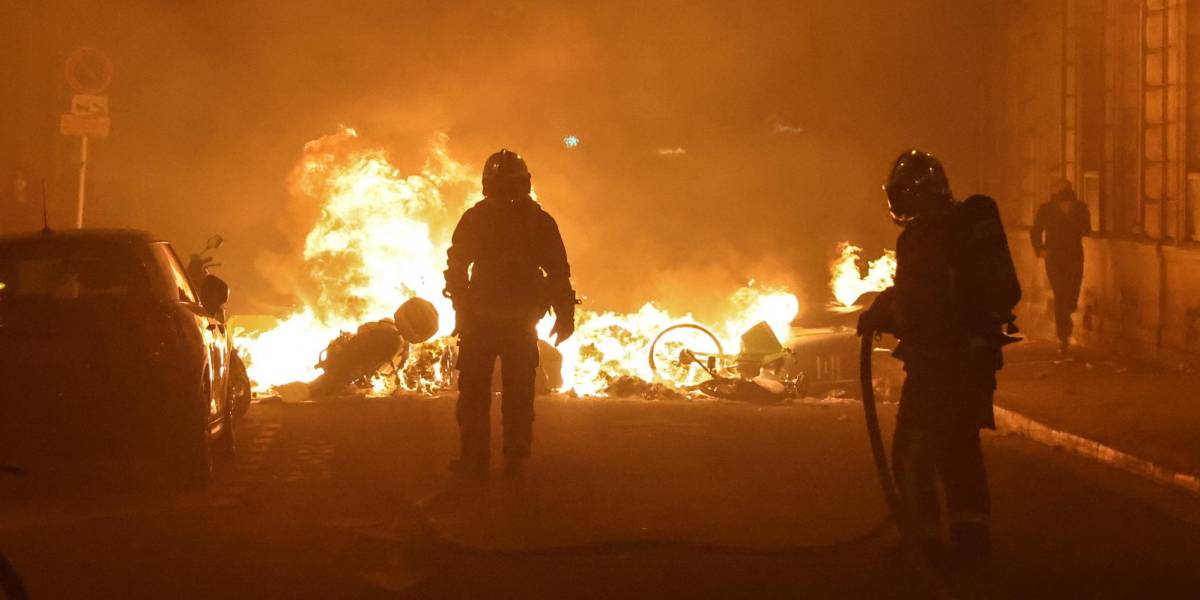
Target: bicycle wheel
[(683, 355)]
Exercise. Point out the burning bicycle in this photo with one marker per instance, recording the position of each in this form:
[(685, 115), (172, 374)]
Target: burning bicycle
[(819, 359), (762, 371)]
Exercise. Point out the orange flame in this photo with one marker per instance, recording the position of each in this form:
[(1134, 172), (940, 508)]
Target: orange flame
[(381, 237), (848, 282), (379, 240)]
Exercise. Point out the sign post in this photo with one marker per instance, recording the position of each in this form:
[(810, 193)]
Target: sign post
[(88, 72), (82, 181)]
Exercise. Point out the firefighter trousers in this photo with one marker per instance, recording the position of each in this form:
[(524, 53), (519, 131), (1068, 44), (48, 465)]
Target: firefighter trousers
[(934, 442), (515, 344)]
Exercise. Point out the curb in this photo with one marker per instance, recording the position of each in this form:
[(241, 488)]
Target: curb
[(1008, 421)]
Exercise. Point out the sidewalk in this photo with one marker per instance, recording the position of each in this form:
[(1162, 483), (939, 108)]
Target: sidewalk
[(1139, 417)]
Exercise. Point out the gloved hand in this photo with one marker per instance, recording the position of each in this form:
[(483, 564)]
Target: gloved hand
[(564, 313), (564, 327), (868, 320)]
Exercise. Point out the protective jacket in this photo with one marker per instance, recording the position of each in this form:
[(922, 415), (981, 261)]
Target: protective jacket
[(941, 308), (507, 262)]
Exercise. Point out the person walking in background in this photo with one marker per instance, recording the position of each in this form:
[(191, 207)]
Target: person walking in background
[(1057, 236)]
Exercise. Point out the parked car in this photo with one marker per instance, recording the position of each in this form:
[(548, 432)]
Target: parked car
[(107, 348)]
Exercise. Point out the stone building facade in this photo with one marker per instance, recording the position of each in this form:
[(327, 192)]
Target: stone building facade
[(1107, 94)]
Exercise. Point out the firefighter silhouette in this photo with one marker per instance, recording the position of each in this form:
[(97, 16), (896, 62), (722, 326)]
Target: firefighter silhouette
[(950, 307), (506, 267)]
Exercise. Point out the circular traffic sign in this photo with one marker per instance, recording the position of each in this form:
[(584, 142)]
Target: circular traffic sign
[(88, 71)]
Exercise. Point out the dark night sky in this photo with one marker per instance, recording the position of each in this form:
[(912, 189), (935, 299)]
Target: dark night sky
[(790, 113)]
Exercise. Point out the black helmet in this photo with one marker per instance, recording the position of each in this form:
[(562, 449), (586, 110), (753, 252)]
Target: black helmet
[(917, 185), (505, 175)]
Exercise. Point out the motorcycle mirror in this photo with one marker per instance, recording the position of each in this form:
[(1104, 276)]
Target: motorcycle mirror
[(214, 242), (214, 293)]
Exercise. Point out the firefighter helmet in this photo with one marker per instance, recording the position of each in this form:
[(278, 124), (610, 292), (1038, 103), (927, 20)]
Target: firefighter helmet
[(505, 175), (916, 186)]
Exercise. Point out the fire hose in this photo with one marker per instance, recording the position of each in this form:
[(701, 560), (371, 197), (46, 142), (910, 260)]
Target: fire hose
[(904, 517)]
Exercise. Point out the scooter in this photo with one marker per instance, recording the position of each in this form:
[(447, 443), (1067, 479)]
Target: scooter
[(240, 391)]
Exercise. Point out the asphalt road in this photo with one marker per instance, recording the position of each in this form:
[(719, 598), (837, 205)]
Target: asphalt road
[(320, 504)]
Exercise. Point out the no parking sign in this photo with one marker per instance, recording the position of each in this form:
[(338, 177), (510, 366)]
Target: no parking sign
[(89, 72)]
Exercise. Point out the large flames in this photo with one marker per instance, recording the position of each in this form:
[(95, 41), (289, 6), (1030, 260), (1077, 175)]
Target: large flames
[(381, 237)]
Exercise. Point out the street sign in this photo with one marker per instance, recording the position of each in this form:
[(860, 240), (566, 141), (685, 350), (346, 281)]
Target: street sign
[(89, 105), (84, 126), (88, 71)]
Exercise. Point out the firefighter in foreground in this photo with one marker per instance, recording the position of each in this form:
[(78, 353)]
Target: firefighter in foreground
[(951, 308), (506, 267)]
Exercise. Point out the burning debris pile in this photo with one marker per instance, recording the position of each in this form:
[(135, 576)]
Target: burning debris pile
[(359, 358), (381, 236)]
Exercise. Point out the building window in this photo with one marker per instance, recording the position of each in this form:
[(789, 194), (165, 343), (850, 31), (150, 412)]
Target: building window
[(1162, 122), (1122, 119), (1190, 213)]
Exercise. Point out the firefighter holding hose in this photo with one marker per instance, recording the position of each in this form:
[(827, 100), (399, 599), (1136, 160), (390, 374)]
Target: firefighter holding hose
[(506, 267), (951, 308)]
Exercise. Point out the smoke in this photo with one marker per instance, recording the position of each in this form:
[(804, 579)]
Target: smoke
[(720, 142)]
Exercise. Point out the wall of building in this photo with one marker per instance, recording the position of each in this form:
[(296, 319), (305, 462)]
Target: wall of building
[(1105, 93)]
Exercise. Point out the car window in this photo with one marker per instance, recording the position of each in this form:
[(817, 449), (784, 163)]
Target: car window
[(177, 278), (65, 272)]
